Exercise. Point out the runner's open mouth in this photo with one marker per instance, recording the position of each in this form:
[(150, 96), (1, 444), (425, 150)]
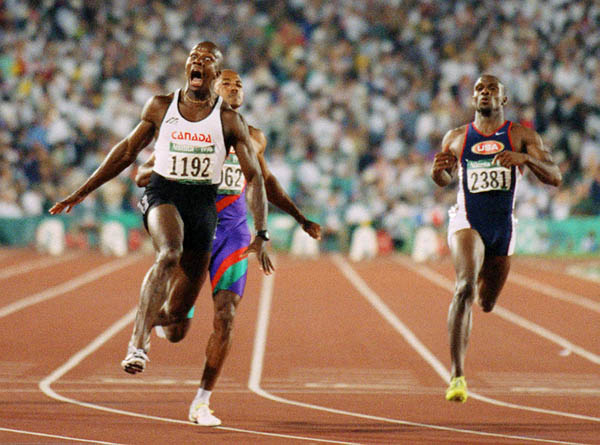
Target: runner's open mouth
[(196, 77)]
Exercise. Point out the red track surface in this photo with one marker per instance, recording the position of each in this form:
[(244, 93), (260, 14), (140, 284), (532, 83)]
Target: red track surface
[(333, 367)]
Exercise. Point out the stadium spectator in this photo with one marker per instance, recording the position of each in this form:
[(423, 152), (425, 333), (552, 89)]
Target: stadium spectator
[(336, 87)]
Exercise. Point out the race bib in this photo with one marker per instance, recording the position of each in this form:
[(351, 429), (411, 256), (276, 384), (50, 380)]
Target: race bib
[(483, 176), (189, 163), (232, 177)]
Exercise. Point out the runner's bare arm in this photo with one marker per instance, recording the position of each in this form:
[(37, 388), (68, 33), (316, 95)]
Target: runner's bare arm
[(530, 151), (120, 156), (275, 192), (142, 176), (446, 161), (237, 136)]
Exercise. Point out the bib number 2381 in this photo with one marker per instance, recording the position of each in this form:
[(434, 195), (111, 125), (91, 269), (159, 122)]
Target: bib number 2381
[(487, 178)]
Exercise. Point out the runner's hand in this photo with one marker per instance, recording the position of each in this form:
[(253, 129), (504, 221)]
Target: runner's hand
[(257, 246), (144, 172), (509, 158), (142, 178), (444, 160), (68, 203), (312, 228)]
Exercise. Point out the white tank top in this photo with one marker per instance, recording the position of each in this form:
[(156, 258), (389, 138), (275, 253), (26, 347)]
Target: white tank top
[(190, 152)]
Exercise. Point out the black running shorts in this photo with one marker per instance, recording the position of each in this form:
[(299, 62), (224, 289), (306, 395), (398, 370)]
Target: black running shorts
[(196, 206)]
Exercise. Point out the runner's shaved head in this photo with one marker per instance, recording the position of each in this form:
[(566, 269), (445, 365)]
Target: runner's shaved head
[(491, 78), (212, 48)]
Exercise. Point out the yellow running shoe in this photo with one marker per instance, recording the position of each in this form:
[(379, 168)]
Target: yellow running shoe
[(457, 391)]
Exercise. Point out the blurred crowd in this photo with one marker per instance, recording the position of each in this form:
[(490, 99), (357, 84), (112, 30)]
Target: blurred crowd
[(353, 95)]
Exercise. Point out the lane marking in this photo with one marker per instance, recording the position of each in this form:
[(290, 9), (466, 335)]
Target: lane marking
[(370, 295), (54, 436), (46, 383), (589, 272), (258, 354), (40, 263), (504, 313), (68, 286), (551, 291)]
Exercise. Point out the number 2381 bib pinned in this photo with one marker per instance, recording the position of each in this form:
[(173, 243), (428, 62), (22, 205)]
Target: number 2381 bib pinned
[(484, 176)]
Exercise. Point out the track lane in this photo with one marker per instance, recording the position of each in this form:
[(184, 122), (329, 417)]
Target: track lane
[(306, 291), (549, 303), (343, 309), (496, 335)]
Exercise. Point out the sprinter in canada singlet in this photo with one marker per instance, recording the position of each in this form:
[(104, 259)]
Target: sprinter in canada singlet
[(189, 157)]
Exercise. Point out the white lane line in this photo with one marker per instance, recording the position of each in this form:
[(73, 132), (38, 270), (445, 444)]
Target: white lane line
[(39, 263), (589, 271), (68, 286), (551, 291), (54, 436), (504, 313), (75, 360), (443, 282), (258, 353)]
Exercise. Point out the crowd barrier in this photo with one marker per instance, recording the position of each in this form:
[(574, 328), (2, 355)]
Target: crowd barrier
[(573, 236)]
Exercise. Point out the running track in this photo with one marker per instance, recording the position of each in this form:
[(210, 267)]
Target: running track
[(325, 351)]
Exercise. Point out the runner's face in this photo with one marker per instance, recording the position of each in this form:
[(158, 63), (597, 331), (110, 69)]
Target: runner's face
[(201, 67), (488, 95), (229, 87)]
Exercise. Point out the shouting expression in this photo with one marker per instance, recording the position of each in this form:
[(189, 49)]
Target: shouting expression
[(202, 65)]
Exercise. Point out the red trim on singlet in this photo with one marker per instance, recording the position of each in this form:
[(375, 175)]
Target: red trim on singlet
[(231, 259), (462, 150), (228, 200), (464, 194), (512, 146), (488, 135)]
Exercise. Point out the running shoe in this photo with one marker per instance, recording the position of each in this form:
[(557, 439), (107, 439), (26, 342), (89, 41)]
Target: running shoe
[(135, 361), (457, 391), (201, 414)]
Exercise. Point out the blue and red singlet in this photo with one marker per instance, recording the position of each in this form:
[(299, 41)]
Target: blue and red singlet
[(486, 191)]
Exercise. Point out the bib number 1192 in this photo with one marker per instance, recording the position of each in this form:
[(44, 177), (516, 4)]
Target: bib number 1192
[(190, 167)]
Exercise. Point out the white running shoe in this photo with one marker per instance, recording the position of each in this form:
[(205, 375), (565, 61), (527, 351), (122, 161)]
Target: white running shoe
[(201, 414), (135, 361)]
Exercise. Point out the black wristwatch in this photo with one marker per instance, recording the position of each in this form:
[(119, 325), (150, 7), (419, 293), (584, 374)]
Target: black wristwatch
[(264, 234)]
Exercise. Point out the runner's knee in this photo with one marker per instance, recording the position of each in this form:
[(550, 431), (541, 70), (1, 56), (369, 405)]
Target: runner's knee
[(168, 257), (464, 291), (224, 317)]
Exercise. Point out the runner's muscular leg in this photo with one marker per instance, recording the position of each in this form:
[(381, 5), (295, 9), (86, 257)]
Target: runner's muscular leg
[(166, 229), (491, 280), (468, 254), (219, 342), (183, 290)]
